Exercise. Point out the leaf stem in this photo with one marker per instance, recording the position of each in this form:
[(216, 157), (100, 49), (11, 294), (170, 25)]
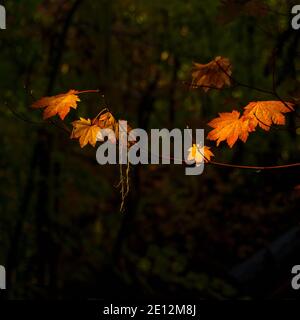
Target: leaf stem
[(89, 91)]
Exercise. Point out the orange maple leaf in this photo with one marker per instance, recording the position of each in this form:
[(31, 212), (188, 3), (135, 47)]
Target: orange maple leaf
[(264, 113), (230, 126), (86, 131), (91, 131), (108, 121), (59, 104), (198, 154), (213, 74)]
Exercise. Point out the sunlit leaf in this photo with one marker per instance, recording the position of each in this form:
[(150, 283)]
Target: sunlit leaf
[(266, 113), (60, 104), (230, 126)]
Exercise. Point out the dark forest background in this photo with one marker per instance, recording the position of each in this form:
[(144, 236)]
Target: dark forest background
[(229, 233)]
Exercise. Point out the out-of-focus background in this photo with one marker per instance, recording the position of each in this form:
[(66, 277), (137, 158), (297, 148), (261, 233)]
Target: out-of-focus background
[(229, 233)]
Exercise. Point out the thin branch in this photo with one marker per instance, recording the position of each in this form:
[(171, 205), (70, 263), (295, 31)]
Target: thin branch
[(89, 91), (273, 93), (255, 167), (223, 164), (245, 166), (241, 84), (22, 118)]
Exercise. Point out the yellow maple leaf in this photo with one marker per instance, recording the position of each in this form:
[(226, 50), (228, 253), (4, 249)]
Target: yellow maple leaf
[(230, 126), (264, 113), (213, 74), (86, 131), (198, 154), (59, 104)]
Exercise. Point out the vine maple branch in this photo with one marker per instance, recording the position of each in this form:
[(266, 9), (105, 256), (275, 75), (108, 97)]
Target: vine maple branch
[(89, 91), (255, 167), (241, 84), (237, 166)]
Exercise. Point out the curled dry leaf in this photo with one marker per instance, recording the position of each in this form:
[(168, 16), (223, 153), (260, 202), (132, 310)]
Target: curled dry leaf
[(214, 74), (230, 126), (60, 104), (106, 121), (85, 131), (108, 125), (199, 154), (266, 113)]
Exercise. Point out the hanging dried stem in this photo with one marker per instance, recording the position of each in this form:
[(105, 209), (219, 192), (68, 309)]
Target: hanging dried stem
[(124, 185)]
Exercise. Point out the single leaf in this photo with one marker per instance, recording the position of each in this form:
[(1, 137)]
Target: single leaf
[(60, 104), (213, 74), (86, 131), (198, 154), (230, 126), (109, 126), (106, 121), (266, 113)]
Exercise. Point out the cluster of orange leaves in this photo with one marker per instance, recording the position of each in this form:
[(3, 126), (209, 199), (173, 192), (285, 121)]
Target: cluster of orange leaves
[(90, 131), (86, 130), (229, 126)]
